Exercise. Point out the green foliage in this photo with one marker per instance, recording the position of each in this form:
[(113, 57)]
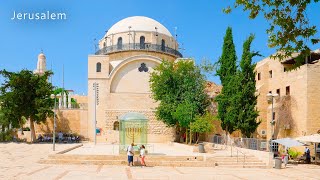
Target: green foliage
[(6, 136), (226, 70), (294, 153), (26, 129), (203, 123), (74, 103), (24, 94), (179, 87), (246, 100), (289, 28), (227, 63), (184, 113), (237, 100)]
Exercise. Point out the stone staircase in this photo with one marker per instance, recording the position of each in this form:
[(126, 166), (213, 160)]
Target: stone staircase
[(237, 162), (158, 160), (151, 160)]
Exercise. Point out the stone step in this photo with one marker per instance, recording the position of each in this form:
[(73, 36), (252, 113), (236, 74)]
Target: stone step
[(234, 160), (231, 159), (124, 162), (242, 166), (123, 157), (239, 163)]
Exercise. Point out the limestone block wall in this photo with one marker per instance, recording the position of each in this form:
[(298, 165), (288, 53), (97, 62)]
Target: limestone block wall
[(82, 101), (295, 115), (157, 130), (67, 121), (262, 87), (290, 110), (313, 122), (92, 63)]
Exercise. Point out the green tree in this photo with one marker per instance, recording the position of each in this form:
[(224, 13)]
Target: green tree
[(226, 70), (246, 99), (203, 124), (289, 28), (24, 94), (180, 89)]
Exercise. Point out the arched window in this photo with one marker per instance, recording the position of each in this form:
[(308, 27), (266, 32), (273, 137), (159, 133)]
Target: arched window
[(98, 67), (142, 42), (104, 44), (163, 45), (116, 126), (119, 44)]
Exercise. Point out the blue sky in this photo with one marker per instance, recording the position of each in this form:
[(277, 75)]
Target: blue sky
[(201, 27)]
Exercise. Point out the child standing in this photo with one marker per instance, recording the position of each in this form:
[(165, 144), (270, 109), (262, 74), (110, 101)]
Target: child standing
[(142, 155)]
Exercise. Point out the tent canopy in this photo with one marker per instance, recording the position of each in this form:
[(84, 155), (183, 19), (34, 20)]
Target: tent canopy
[(288, 142), (314, 138)]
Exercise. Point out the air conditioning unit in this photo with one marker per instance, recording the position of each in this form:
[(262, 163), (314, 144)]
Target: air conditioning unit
[(263, 133), (263, 145)]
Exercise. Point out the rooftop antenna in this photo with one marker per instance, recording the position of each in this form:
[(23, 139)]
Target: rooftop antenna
[(182, 48), (129, 34), (175, 32), (156, 30), (62, 93), (51, 71), (95, 45), (176, 37)]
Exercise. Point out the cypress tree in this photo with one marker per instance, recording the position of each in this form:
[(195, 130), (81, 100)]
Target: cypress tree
[(227, 70), (246, 98)]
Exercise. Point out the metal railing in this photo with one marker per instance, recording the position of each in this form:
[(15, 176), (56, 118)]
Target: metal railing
[(247, 143), (233, 146), (138, 46)]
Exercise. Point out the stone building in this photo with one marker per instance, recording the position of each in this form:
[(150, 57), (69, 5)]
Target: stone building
[(296, 106), (118, 77)]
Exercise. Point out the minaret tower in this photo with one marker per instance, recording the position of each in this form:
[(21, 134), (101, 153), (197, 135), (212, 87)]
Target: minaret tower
[(41, 65)]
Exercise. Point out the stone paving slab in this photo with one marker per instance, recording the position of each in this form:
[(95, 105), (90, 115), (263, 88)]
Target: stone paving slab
[(19, 161)]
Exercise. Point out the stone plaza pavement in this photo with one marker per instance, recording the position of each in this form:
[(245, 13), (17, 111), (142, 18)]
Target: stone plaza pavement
[(19, 161)]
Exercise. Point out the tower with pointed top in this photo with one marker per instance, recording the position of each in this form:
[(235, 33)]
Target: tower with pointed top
[(41, 65)]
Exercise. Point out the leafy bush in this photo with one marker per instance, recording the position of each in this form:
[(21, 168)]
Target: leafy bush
[(26, 129), (203, 124), (294, 153), (6, 136)]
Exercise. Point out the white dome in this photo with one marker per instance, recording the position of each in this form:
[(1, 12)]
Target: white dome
[(138, 23)]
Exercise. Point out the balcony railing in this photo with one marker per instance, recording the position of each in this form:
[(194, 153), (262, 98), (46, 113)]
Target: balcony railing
[(138, 46)]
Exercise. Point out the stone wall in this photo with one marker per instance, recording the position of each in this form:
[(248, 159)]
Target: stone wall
[(67, 121), (313, 122), (157, 130), (296, 113)]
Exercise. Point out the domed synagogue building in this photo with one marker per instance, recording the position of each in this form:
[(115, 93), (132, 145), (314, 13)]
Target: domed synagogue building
[(118, 78)]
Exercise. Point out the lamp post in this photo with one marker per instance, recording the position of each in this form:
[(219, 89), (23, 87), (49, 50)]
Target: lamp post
[(54, 122), (129, 34), (270, 97), (95, 113)]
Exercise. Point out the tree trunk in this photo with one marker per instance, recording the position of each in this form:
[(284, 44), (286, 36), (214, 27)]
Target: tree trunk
[(2, 130), (190, 137), (198, 139), (32, 131), (186, 135), (226, 138)]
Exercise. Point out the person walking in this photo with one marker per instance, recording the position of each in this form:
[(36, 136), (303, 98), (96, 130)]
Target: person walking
[(286, 158), (308, 157), (130, 153), (142, 155)]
